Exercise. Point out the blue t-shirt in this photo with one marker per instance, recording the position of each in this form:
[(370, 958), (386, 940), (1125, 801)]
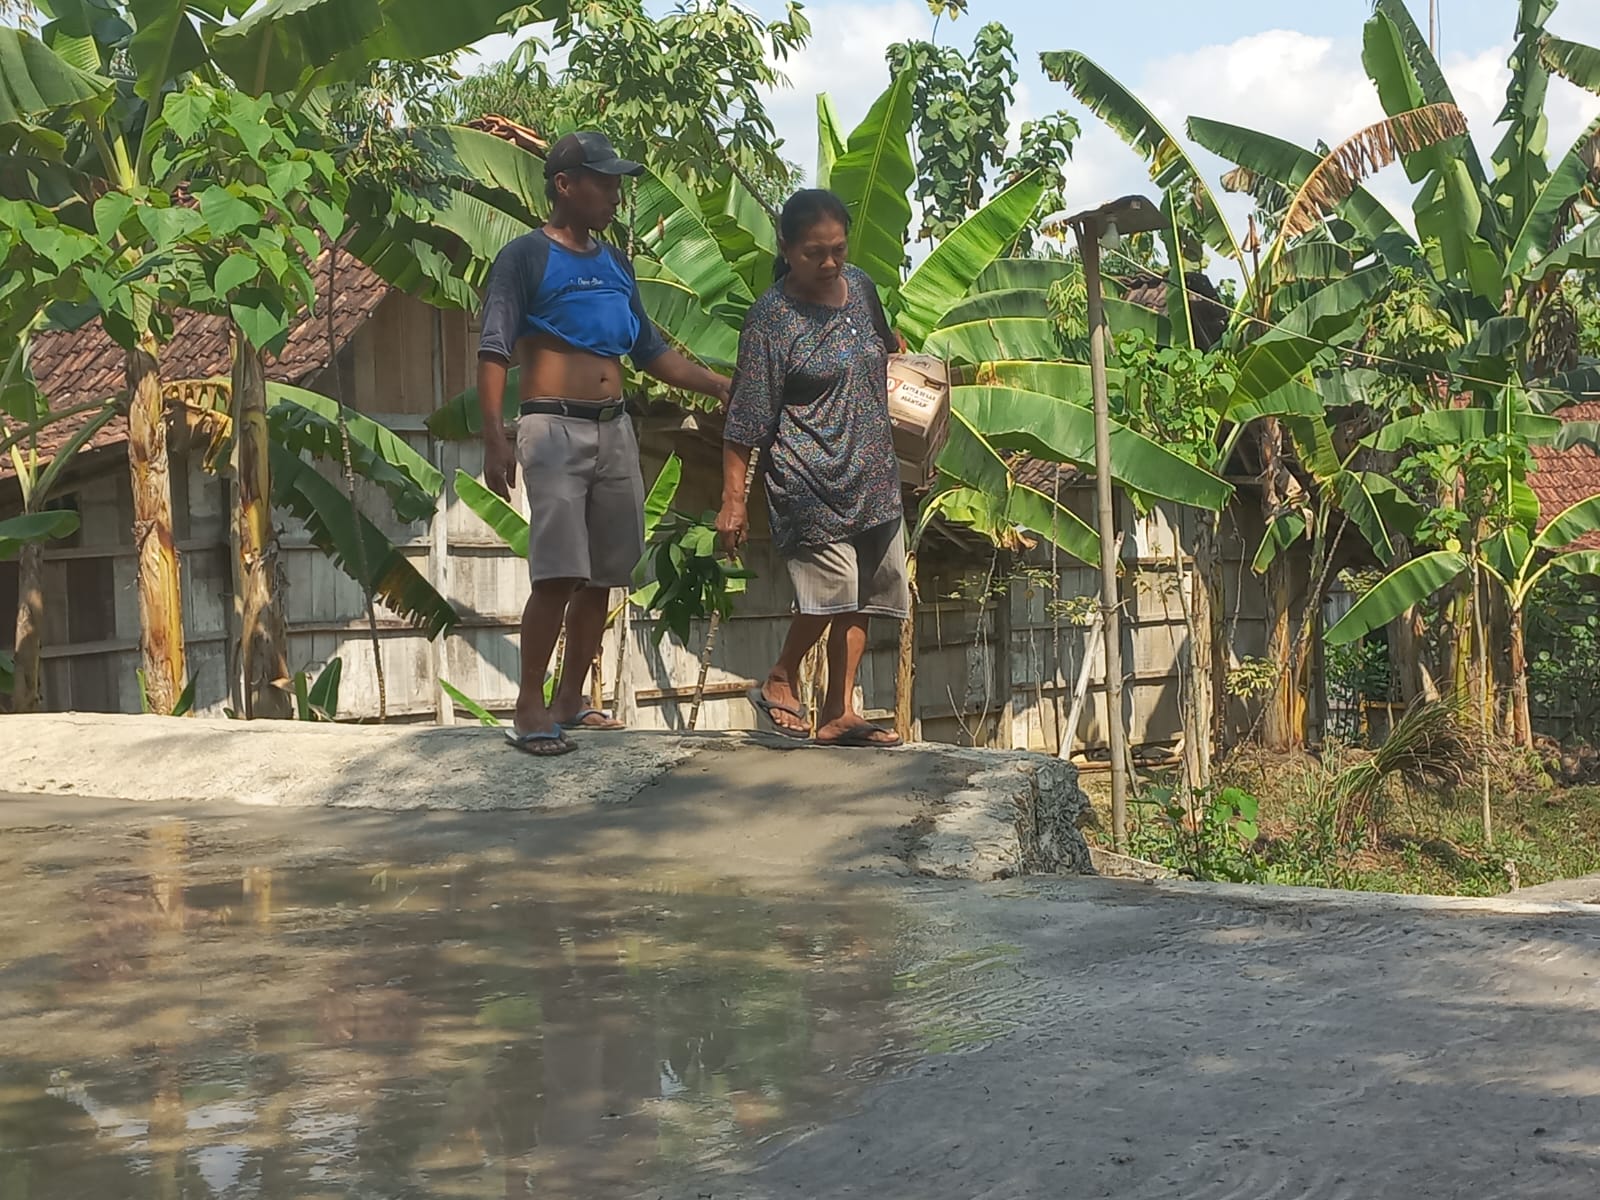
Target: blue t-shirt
[(590, 301)]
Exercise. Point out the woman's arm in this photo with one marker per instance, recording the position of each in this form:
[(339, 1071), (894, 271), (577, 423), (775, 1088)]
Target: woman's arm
[(733, 522)]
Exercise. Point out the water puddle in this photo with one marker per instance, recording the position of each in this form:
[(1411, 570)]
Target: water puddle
[(187, 1014)]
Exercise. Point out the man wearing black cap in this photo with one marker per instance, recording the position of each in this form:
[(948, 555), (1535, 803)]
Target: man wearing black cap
[(567, 308)]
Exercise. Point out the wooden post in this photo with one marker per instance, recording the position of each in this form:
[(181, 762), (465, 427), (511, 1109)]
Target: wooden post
[(263, 638), (1099, 337), (905, 670), (705, 667), (444, 708), (161, 640)]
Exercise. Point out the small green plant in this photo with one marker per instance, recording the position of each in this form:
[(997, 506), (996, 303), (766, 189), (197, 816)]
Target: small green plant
[(1253, 678), (182, 708), (683, 577), (1211, 838), (316, 700), (467, 704)]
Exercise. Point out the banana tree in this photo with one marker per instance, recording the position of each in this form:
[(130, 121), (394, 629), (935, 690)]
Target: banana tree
[(1326, 224), (1517, 559)]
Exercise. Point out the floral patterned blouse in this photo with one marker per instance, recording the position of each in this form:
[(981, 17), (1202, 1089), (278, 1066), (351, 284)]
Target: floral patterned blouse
[(811, 393)]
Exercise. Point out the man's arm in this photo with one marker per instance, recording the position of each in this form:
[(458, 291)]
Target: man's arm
[(499, 461), (674, 370)]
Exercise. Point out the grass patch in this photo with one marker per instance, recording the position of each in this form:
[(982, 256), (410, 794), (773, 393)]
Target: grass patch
[(1426, 843)]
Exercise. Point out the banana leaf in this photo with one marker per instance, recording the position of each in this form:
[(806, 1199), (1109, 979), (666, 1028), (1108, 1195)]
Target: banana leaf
[(347, 537), (1402, 588), (960, 259), (488, 166), (1457, 425), (1333, 314), (1573, 61), (992, 501), (995, 339), (830, 139), (676, 311), (1012, 419), (1290, 166), (16, 532), (1283, 531), (673, 229), (470, 706), (510, 526), (481, 227), (986, 306), (1578, 521), (1430, 76), (1546, 223), (34, 80), (277, 46), (873, 177), (461, 418), (1032, 274), (307, 422), (1064, 381), (1171, 168)]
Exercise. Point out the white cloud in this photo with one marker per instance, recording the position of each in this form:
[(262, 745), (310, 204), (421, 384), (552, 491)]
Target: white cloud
[(844, 58), (1305, 89)]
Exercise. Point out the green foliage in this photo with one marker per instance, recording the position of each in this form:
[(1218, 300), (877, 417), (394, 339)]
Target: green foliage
[(961, 107), (684, 577), (317, 699), (1174, 395), (16, 532), (1212, 837), (183, 707), (1044, 146), (1563, 647), (467, 704), (1356, 671)]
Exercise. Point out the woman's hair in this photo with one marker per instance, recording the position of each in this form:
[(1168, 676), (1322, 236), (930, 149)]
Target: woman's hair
[(804, 210)]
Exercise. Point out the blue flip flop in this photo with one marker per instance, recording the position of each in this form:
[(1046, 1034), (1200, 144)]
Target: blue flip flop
[(526, 742)]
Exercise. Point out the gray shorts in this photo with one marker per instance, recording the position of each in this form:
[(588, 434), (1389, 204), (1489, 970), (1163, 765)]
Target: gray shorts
[(585, 498), (866, 574)]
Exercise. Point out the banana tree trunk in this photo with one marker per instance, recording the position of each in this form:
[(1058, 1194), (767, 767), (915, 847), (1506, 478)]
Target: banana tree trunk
[(1277, 728), (27, 694), (263, 638), (161, 649), (1211, 607), (1521, 717)]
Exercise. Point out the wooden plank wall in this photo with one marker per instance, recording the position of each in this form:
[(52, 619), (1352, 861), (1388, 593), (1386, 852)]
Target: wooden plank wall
[(398, 368)]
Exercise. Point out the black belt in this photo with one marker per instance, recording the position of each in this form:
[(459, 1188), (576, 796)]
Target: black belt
[(573, 408)]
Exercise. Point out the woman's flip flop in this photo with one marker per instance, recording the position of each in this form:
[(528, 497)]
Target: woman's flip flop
[(606, 724), (767, 707)]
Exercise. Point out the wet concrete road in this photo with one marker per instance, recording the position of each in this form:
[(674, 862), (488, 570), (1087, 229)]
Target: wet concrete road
[(203, 1004)]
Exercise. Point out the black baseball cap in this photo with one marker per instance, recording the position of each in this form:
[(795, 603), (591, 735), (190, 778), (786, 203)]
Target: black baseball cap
[(590, 151)]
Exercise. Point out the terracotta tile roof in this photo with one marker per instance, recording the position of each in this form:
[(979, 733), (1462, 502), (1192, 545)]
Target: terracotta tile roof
[(1040, 475), (1562, 478), (508, 130), (74, 368)]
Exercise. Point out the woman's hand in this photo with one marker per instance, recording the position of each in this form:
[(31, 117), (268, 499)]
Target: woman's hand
[(733, 526)]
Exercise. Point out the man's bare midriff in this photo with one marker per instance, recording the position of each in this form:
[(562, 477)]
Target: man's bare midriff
[(551, 369)]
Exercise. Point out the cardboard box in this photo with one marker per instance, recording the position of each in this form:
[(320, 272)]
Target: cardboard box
[(919, 408)]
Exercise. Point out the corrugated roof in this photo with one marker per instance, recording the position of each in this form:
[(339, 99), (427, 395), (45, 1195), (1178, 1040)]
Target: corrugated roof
[(74, 368), (1562, 478)]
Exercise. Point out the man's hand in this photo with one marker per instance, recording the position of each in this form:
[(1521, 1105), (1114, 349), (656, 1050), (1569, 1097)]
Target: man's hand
[(733, 526), (499, 464)]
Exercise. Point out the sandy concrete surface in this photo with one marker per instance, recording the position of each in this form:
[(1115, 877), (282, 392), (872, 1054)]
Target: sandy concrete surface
[(1234, 1045), (949, 812), (735, 981)]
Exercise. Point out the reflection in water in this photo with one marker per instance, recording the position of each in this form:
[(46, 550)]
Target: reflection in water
[(475, 1030)]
